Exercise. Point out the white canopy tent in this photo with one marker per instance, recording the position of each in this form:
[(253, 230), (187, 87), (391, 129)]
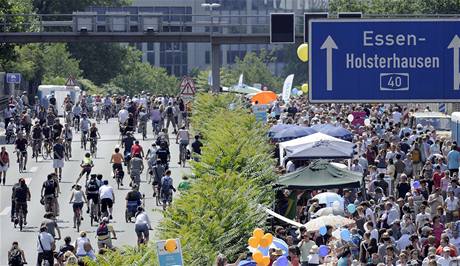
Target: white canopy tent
[(316, 146)]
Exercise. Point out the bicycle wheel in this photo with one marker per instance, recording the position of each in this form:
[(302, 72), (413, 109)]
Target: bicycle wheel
[(21, 221)]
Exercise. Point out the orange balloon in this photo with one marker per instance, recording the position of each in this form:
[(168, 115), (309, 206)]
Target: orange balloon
[(266, 260), (257, 256), (269, 237), (264, 242), (258, 233), (253, 242)]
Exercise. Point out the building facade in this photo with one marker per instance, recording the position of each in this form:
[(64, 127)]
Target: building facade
[(180, 58)]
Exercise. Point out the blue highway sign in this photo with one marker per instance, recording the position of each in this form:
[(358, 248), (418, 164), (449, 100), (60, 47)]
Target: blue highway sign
[(366, 60), (14, 78)]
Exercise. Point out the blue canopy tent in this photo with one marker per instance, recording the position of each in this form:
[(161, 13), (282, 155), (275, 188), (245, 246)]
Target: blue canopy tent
[(293, 133), (278, 128), (333, 131)]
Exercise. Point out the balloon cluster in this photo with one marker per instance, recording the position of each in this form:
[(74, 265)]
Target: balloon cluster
[(170, 245), (259, 238), (305, 88), (297, 92)]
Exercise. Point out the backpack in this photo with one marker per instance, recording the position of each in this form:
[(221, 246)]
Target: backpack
[(50, 187), (102, 230), (169, 111), (416, 155), (92, 186), (14, 257), (20, 193), (166, 185)]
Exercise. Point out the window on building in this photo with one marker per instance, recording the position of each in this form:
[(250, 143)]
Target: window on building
[(207, 57), (150, 46), (151, 58)]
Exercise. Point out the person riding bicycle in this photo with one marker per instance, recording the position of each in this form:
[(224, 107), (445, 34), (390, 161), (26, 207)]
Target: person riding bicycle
[(97, 109), (137, 149), (151, 158), (49, 194), (94, 133), (163, 155), (158, 171), (16, 255), (47, 133), (92, 191), (142, 226), (137, 167), (78, 199), (76, 111), (117, 163), (21, 147), (67, 135), (107, 197), (163, 138), (155, 116), (86, 165), (143, 118), (183, 139), (130, 123), (105, 234), (57, 129), (84, 128), (167, 188), (19, 197), (37, 137)]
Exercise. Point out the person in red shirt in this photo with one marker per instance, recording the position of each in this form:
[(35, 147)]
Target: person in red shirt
[(4, 164), (136, 149), (437, 176)]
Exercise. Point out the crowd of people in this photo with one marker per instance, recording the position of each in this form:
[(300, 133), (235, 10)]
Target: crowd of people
[(38, 127), (406, 213)]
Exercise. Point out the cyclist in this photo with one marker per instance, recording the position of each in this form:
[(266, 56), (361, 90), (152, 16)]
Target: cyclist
[(151, 158), (105, 234), (117, 162), (163, 155), (155, 116), (107, 198), (16, 255), (94, 134), (169, 115), (142, 226), (137, 149), (76, 114), (158, 172), (143, 118), (130, 123), (21, 147), (137, 167), (127, 143), (67, 136), (167, 188), (19, 197), (98, 111), (4, 164), (84, 127), (49, 194), (57, 129), (183, 139), (58, 158), (37, 137), (79, 199), (86, 167), (92, 191)]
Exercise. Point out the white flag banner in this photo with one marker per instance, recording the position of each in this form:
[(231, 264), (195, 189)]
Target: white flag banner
[(287, 86), (240, 80), (210, 78)]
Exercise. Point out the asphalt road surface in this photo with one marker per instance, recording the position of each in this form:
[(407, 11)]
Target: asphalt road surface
[(36, 174)]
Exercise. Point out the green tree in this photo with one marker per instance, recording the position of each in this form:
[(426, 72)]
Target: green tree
[(144, 77), (227, 79), (57, 62), (69, 6), (101, 62)]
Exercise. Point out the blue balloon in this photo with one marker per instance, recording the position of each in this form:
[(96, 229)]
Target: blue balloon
[(351, 208), (345, 235), (295, 91), (323, 251), (323, 230), (416, 184), (282, 261)]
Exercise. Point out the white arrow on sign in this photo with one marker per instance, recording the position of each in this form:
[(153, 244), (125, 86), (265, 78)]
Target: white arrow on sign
[(329, 44), (455, 45)]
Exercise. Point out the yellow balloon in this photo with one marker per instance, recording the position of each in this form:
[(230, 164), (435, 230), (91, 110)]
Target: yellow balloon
[(302, 52), (305, 88), (258, 233), (170, 245), (257, 256), (253, 242), (269, 238), (266, 260)]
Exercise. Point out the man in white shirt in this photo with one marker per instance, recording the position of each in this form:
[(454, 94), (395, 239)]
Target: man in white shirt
[(369, 226), (403, 242), (452, 204), (107, 198), (123, 115), (290, 167), (45, 245), (445, 258), (422, 216)]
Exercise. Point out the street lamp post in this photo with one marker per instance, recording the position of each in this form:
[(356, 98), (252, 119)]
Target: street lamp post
[(215, 50)]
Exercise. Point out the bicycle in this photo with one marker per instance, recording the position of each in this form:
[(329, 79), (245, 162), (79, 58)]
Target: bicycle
[(143, 129), (76, 123), (83, 140), (37, 149), (182, 154), (21, 160), (19, 217), (47, 149), (67, 149), (107, 114), (77, 217), (93, 147), (98, 116), (119, 177), (93, 212)]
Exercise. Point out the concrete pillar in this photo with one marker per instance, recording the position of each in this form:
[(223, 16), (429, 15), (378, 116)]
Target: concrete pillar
[(215, 66)]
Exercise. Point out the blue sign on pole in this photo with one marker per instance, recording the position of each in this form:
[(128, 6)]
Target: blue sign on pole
[(14, 78), (169, 258), (366, 60)]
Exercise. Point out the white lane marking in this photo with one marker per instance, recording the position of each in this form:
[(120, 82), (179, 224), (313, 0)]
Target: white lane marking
[(6, 211), (33, 169)]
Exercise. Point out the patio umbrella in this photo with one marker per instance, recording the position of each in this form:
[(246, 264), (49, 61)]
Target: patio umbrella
[(329, 198), (278, 128), (264, 97), (293, 133), (329, 211), (332, 220), (337, 132)]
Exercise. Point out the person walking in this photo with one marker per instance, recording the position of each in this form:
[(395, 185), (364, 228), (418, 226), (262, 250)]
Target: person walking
[(107, 197), (45, 246), (4, 164)]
